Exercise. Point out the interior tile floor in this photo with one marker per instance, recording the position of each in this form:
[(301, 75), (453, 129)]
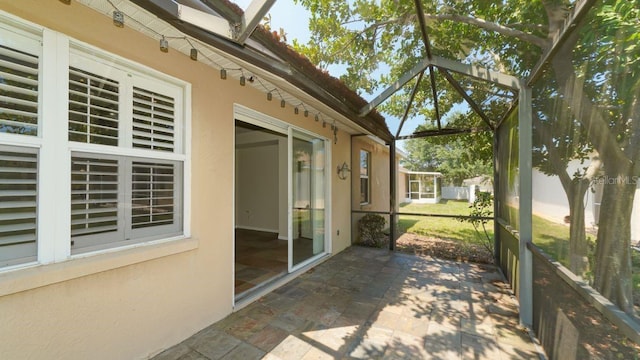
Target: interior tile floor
[(372, 303), (260, 256)]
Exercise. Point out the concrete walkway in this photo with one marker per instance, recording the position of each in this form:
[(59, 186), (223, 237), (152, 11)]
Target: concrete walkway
[(373, 304)]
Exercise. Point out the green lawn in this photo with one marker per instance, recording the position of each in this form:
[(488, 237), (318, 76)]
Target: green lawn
[(440, 227), (551, 237), (444, 207)]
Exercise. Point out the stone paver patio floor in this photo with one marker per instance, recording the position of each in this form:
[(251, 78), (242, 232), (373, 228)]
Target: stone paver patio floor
[(370, 303)]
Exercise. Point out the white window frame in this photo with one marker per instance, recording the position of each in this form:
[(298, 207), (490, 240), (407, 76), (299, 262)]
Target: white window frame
[(127, 79), (53, 209), (367, 177)]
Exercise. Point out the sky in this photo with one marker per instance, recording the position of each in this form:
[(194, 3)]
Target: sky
[(293, 18)]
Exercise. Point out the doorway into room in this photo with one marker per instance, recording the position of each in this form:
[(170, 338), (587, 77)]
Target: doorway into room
[(281, 185)]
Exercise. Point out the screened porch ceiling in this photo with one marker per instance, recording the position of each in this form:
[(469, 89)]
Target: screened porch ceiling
[(229, 38)]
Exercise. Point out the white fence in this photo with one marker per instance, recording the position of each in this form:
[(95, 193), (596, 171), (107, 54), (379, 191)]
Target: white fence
[(455, 192)]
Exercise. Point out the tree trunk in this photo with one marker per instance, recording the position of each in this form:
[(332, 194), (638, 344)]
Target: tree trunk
[(578, 245), (613, 247), (575, 189)]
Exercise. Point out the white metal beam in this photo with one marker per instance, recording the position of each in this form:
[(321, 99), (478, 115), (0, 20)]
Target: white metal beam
[(478, 72), (252, 17), (206, 21), (397, 85), (525, 288)]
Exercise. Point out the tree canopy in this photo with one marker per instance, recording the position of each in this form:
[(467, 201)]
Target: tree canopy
[(586, 104)]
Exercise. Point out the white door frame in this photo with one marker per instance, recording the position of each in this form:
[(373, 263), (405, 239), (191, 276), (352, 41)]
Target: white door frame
[(253, 117)]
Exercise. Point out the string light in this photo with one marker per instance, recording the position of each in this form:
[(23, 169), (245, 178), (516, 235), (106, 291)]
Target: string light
[(66, 2), (164, 45), (118, 18)]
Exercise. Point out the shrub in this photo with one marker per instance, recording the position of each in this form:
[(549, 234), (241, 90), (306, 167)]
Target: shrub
[(481, 210), (370, 228)]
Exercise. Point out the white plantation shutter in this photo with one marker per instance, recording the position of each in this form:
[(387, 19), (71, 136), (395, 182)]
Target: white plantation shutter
[(18, 202), (125, 143), (153, 120), (153, 194), (18, 92), (94, 195), (93, 108)]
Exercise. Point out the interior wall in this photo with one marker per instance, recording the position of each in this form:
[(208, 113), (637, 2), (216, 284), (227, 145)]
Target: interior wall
[(125, 305), (257, 185)]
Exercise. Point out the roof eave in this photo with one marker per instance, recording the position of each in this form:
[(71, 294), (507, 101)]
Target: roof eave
[(167, 12)]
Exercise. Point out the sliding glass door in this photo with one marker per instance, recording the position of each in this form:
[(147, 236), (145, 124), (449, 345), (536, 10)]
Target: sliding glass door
[(308, 192), (281, 209)]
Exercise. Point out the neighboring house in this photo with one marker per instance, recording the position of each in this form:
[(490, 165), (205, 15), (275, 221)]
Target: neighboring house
[(128, 169), (549, 200), (482, 183)]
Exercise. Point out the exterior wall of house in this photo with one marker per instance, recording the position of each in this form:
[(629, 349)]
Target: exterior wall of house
[(550, 201), (378, 178), (131, 304), (402, 187)]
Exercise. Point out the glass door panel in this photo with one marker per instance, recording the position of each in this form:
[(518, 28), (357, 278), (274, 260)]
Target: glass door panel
[(308, 198), (414, 189)]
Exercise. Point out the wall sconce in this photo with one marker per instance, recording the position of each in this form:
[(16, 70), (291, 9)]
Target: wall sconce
[(343, 171)]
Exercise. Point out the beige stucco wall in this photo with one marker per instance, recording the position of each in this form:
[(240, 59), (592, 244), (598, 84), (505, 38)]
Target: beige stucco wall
[(378, 177), (102, 307), (402, 187)]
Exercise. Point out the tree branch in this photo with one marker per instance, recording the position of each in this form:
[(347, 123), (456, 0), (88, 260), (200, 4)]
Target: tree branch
[(559, 166), (491, 26), (479, 23), (581, 106), (527, 26), (374, 27)]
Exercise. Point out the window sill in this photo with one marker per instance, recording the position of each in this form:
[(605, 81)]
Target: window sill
[(34, 276)]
